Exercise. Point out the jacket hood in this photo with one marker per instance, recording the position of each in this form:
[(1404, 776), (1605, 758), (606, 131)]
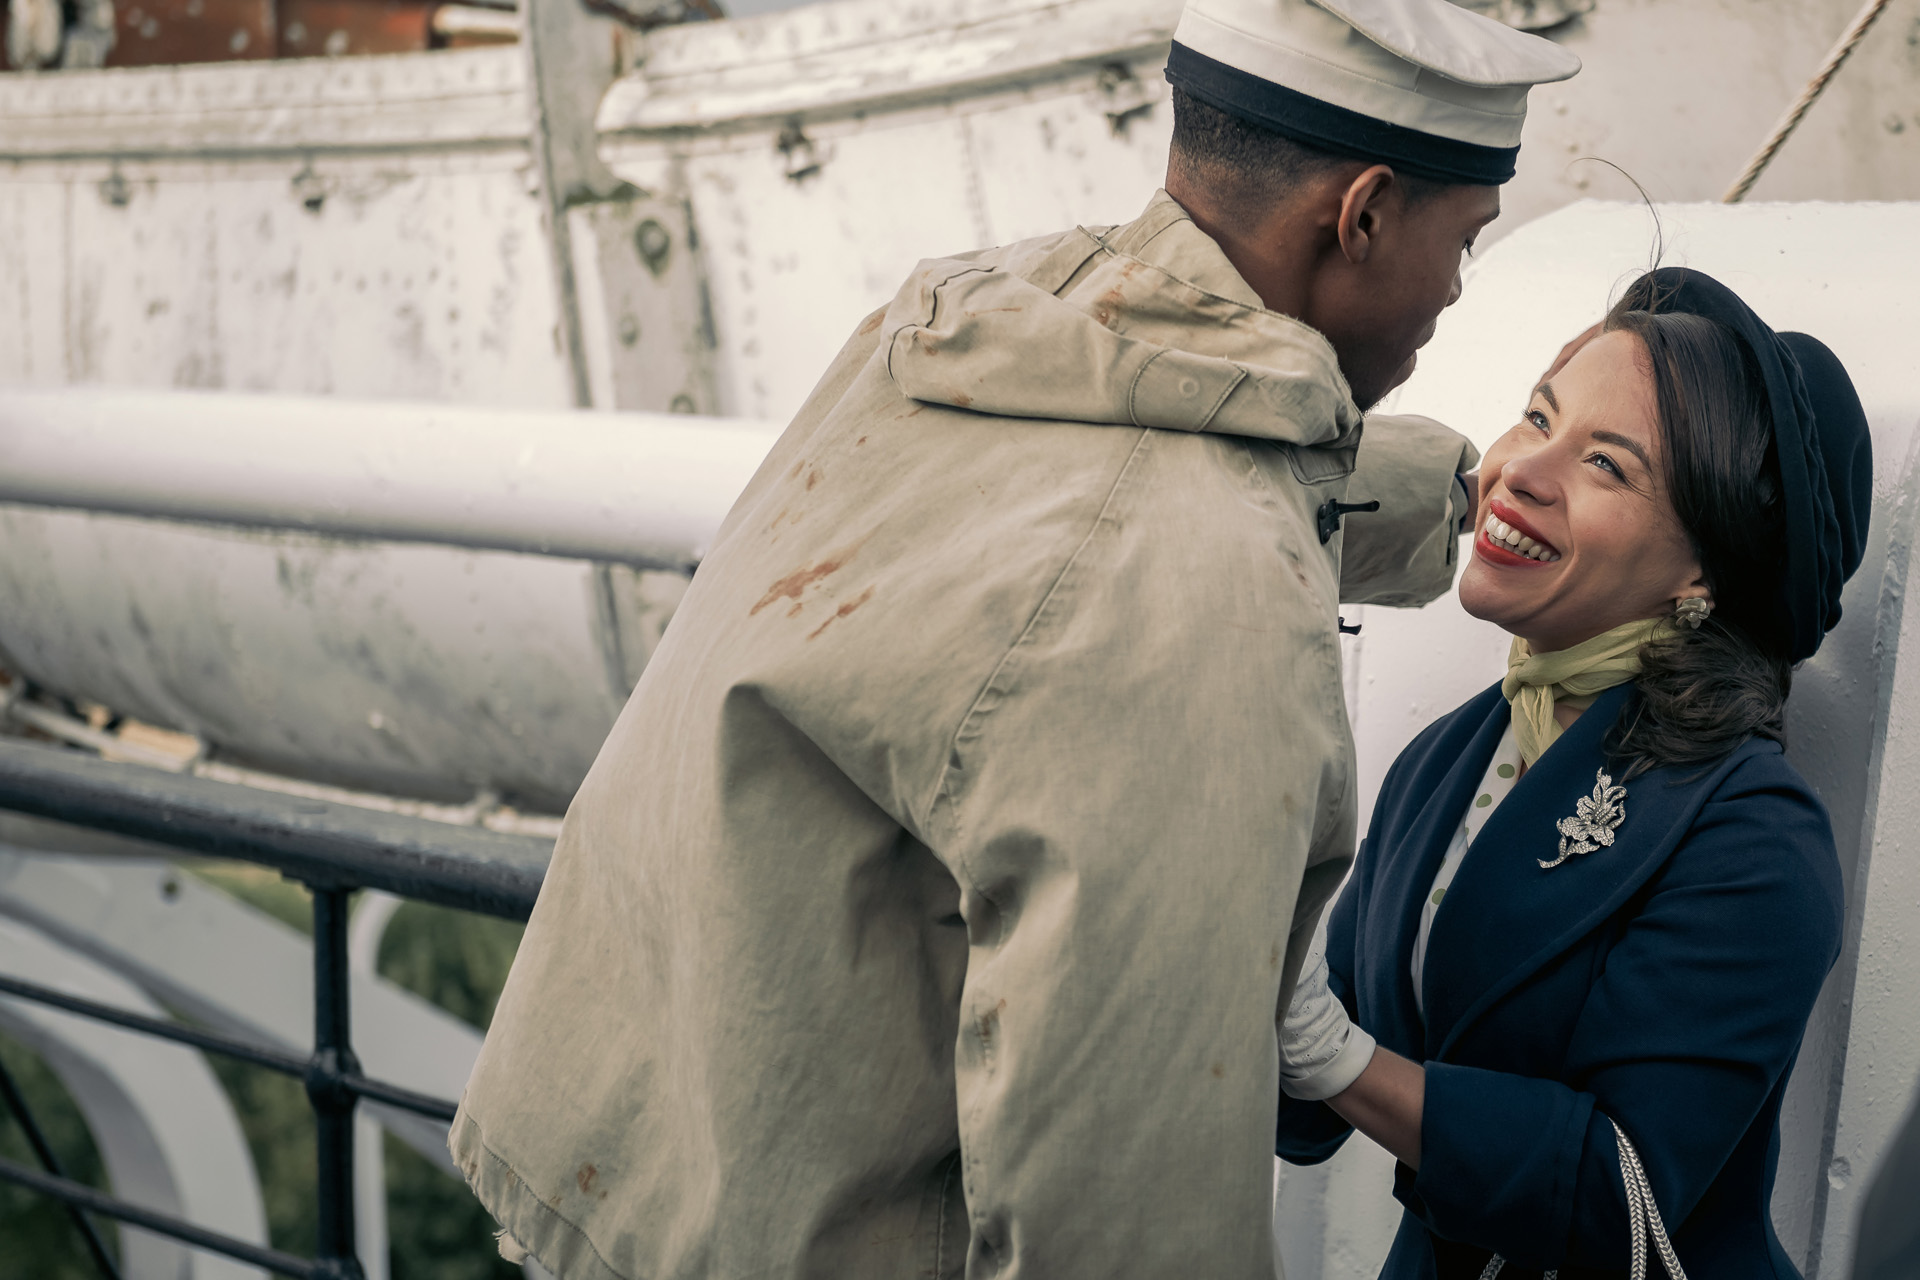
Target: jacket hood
[(1146, 325)]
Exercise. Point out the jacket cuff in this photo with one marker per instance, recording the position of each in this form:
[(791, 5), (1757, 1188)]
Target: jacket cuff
[(1500, 1161), (1338, 1075), (1405, 553)]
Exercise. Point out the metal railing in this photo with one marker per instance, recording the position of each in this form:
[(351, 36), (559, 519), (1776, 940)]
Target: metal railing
[(332, 849)]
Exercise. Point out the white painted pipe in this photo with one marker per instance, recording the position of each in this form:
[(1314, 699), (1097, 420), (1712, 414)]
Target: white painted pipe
[(645, 489)]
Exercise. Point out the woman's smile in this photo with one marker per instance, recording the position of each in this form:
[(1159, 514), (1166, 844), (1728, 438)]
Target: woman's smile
[(1506, 539)]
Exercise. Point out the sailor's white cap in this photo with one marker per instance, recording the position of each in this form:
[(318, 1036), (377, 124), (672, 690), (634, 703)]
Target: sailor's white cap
[(1426, 86)]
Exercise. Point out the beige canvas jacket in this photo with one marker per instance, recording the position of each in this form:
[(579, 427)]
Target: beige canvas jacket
[(930, 909)]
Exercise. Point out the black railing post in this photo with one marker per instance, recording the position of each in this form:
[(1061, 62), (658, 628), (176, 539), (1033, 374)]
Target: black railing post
[(332, 1099), (332, 848)]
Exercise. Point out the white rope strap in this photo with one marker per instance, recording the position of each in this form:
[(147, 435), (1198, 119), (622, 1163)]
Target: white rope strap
[(1643, 1219), (1790, 121)]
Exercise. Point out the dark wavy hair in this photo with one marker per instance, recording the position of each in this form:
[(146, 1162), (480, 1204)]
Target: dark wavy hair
[(1702, 693)]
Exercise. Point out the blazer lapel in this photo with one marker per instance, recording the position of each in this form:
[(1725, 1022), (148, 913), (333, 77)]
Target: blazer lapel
[(1413, 839), (1506, 915)]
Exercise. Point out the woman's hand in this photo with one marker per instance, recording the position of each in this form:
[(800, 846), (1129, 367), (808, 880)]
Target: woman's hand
[(1324, 1057), (1321, 1051), (1387, 1103)]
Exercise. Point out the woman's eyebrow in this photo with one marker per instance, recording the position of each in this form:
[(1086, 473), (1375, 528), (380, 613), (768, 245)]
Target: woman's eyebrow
[(1615, 438), (1545, 392)]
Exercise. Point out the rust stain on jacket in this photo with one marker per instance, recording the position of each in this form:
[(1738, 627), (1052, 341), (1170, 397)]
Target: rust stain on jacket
[(990, 1022), (795, 583), (841, 612)]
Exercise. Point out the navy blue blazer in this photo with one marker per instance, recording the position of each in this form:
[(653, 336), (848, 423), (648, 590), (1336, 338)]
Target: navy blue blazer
[(1663, 982)]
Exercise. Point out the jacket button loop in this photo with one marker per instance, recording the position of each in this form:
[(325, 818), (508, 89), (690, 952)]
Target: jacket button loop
[(1331, 511)]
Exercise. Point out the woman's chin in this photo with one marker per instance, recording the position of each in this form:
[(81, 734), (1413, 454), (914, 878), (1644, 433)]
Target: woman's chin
[(1489, 601)]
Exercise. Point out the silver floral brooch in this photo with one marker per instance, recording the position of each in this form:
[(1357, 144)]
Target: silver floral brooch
[(1594, 820)]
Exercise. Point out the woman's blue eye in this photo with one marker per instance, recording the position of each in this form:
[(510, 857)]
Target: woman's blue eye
[(1538, 419), (1603, 461)]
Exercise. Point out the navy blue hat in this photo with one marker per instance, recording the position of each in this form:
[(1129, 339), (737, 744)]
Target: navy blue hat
[(1824, 448)]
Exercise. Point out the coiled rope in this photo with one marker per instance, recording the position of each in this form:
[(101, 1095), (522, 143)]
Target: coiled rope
[(1815, 87), (1643, 1219)]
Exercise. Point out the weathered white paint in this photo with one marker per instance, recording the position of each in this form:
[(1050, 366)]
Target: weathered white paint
[(465, 99), (827, 148), (354, 227), (416, 669), (1817, 268), (155, 223), (854, 56), (1882, 1055), (642, 489), (424, 670)]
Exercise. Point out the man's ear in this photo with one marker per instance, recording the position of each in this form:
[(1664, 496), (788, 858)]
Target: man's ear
[(1361, 208)]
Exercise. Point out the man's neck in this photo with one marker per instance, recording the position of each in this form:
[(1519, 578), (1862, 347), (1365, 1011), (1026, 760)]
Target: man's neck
[(1275, 257)]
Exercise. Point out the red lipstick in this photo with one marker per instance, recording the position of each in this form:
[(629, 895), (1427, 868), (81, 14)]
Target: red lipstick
[(1508, 515), (1499, 553)]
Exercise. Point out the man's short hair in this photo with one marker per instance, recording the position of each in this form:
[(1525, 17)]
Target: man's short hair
[(1249, 167)]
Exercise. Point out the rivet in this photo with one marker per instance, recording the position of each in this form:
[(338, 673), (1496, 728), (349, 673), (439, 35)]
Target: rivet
[(654, 245), (802, 159), (116, 190)]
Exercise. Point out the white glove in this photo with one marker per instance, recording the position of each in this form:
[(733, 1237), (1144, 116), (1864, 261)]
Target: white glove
[(1321, 1051)]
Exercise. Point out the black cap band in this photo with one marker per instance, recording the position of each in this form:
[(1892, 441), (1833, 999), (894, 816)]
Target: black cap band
[(1336, 129)]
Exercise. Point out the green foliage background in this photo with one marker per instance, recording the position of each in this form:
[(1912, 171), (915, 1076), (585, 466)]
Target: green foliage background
[(436, 1229)]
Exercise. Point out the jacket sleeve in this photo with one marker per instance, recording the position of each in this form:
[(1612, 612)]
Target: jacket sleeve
[(1146, 810), (1406, 552), (1687, 1032)]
